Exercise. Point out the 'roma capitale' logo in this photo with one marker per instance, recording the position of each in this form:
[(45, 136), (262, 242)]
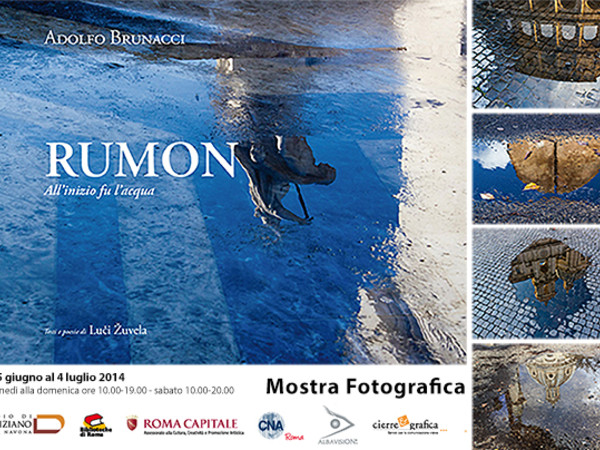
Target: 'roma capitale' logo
[(132, 422)]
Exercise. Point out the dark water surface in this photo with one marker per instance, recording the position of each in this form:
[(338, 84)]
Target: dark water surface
[(536, 397)]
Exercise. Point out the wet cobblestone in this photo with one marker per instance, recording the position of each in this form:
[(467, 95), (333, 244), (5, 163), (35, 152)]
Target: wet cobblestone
[(535, 54), (499, 314)]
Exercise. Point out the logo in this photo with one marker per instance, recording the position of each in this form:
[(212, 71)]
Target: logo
[(28, 424), (189, 426), (271, 425), (41, 424), (94, 422), (132, 422), (338, 424), (93, 425), (404, 426), (403, 421)]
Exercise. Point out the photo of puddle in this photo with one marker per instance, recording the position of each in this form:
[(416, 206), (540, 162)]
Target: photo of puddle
[(536, 397), (292, 251), (551, 273), (536, 169), (536, 53), (536, 283)]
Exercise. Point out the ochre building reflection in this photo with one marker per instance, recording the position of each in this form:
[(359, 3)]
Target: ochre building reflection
[(559, 164), (545, 262), (553, 39)]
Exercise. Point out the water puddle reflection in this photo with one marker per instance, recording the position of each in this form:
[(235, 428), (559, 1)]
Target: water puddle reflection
[(551, 273), (545, 176), (536, 397), (536, 53)]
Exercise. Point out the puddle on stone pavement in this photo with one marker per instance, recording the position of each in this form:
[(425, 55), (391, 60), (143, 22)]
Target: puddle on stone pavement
[(534, 396), (548, 276), (546, 175), (536, 53), (531, 282)]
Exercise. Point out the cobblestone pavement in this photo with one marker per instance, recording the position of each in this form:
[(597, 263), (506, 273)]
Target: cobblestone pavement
[(497, 310), (529, 54)]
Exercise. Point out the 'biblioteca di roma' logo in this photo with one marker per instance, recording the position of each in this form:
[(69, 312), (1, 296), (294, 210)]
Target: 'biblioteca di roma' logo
[(94, 426)]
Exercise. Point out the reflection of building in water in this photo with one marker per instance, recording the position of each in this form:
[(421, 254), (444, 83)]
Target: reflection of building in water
[(546, 261), (552, 370), (560, 165), (515, 400), (528, 436), (554, 39), (505, 394)]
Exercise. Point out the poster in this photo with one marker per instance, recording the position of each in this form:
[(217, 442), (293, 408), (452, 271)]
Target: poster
[(234, 223)]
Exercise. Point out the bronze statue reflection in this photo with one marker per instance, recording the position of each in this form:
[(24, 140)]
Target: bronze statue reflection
[(272, 165), (545, 262)]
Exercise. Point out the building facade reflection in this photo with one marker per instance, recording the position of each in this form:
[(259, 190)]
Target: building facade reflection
[(545, 262), (510, 410), (553, 39), (558, 165), (552, 370)]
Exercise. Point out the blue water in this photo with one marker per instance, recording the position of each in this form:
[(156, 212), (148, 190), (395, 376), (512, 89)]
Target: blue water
[(91, 293), (504, 183), (550, 316), (292, 298), (290, 292), (496, 174)]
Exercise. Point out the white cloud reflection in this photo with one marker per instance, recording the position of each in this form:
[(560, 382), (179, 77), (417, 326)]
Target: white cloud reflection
[(491, 155)]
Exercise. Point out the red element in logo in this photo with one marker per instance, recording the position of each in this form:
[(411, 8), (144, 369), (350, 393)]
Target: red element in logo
[(132, 423), (291, 437), (94, 422), (57, 417)]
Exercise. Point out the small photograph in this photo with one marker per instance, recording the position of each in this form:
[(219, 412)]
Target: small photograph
[(536, 283), (536, 397), (536, 53), (536, 168)]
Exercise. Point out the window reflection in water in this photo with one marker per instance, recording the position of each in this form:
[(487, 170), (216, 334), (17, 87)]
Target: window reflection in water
[(544, 39)]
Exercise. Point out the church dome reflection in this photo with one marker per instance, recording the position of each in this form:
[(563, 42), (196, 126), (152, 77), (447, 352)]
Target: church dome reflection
[(552, 370)]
